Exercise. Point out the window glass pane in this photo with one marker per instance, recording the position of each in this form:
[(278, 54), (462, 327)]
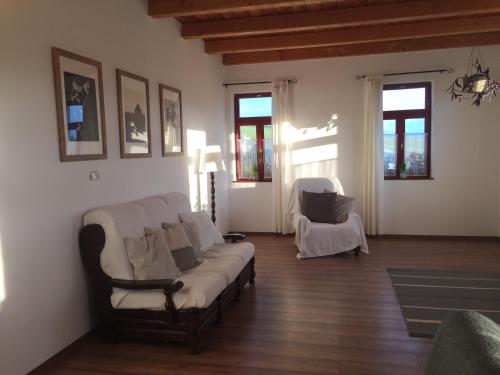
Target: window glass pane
[(390, 147), (390, 154), (415, 126), (397, 100), (415, 147), (248, 152), (256, 107), (389, 127), (268, 150)]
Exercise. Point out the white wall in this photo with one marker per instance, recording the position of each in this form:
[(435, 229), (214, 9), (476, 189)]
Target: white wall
[(463, 197), (43, 298)]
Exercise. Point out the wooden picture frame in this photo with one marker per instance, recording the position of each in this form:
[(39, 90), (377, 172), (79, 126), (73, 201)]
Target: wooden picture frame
[(172, 136), (79, 98), (134, 118)]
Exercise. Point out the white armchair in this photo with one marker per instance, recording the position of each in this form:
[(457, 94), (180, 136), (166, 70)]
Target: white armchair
[(320, 239)]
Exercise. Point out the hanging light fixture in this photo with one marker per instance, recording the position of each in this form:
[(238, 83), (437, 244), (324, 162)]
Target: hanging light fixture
[(476, 84)]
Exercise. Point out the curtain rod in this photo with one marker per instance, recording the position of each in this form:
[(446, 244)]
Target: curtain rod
[(448, 70), (254, 83)]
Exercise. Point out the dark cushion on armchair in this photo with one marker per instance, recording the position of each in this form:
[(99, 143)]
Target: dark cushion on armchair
[(319, 207)]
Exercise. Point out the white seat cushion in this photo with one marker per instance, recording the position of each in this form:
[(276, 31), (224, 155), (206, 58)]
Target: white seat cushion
[(199, 291), (244, 250), (221, 265), (229, 266)]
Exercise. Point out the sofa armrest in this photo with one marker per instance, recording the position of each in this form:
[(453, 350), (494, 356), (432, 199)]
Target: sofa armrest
[(234, 237), (168, 285)]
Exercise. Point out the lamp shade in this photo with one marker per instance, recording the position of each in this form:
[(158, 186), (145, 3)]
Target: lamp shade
[(211, 159)]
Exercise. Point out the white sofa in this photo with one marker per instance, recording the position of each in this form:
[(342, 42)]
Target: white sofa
[(167, 309)]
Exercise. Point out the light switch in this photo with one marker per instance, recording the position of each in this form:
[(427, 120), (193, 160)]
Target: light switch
[(94, 175)]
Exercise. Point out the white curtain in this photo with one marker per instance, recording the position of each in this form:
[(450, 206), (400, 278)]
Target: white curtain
[(373, 156), (282, 112)]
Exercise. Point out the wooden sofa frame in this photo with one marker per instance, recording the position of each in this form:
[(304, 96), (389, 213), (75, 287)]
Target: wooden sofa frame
[(171, 324)]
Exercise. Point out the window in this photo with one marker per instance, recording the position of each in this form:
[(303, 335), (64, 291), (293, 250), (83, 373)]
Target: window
[(254, 136), (407, 130)]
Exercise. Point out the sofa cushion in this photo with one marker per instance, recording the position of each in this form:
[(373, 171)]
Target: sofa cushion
[(204, 229), (221, 265), (228, 266), (179, 245), (155, 210), (150, 257), (118, 221), (185, 258), (176, 203), (244, 250), (199, 291), (191, 230)]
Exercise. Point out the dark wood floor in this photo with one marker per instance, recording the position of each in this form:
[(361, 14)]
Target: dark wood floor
[(334, 315)]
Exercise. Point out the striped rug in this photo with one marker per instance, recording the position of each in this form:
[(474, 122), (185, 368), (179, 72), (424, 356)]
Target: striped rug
[(426, 297)]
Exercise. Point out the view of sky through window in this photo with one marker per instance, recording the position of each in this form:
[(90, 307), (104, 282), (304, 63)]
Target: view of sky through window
[(256, 107), (404, 99)]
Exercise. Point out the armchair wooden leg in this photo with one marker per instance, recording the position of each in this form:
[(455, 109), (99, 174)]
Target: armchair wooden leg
[(356, 251)]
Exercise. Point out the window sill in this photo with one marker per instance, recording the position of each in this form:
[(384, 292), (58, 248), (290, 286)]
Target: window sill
[(407, 178)]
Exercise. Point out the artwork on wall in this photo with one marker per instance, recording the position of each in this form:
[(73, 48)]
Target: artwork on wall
[(171, 120), (79, 106), (133, 114)]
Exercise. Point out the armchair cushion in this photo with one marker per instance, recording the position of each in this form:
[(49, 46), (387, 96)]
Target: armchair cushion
[(319, 207), (343, 205)]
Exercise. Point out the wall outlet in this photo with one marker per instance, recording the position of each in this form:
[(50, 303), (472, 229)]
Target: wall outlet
[(94, 175)]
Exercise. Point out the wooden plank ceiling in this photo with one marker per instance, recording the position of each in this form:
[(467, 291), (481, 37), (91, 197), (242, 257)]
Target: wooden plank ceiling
[(256, 31)]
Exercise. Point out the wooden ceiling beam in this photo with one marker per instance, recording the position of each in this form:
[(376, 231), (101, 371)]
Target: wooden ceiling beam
[(405, 45), (178, 8), (355, 35), (414, 10)]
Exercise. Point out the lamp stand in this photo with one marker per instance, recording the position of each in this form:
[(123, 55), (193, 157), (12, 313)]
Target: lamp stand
[(212, 182)]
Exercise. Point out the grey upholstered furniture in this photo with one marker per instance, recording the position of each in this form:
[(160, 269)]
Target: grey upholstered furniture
[(467, 343)]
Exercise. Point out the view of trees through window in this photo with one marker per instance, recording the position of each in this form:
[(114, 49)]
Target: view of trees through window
[(254, 135), (407, 123)]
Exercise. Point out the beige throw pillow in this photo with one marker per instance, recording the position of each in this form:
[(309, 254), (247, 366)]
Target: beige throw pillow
[(191, 230), (204, 230), (175, 236), (151, 258), (181, 248)]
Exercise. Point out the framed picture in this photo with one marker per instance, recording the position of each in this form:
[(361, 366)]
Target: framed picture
[(171, 120), (80, 106), (133, 114)]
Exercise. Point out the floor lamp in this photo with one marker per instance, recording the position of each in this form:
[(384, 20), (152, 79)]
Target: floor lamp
[(212, 161)]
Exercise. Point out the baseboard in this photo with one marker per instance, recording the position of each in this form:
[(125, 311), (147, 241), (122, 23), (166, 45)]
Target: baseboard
[(432, 237), (49, 364), (256, 233)]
